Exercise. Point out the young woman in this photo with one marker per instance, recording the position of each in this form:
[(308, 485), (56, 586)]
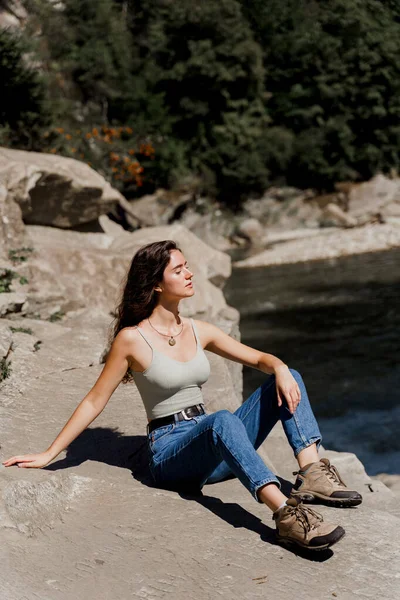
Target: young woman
[(188, 448)]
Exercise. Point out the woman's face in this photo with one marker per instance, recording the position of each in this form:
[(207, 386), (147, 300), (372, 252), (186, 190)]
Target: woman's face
[(177, 277)]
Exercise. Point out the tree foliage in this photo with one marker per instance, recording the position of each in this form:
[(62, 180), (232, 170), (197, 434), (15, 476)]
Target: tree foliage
[(333, 71), (88, 51), (239, 93), (23, 98), (203, 61)]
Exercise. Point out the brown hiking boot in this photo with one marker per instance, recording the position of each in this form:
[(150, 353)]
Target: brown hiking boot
[(320, 481), (297, 524)]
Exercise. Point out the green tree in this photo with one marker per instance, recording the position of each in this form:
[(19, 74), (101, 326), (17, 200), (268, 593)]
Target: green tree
[(88, 49), (203, 61), (24, 109), (333, 72)]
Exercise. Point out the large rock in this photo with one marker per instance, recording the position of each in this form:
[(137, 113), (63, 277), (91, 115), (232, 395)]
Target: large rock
[(70, 270), (374, 199), (158, 208), (212, 223), (284, 208), (391, 481), (91, 524), (55, 190), (252, 230), (11, 302), (334, 215)]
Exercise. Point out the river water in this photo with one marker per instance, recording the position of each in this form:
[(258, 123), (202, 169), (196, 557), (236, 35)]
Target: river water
[(337, 322)]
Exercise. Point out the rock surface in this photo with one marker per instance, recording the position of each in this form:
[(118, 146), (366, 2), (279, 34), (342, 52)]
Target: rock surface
[(91, 524), (158, 208), (391, 481), (284, 208), (55, 190), (377, 198), (12, 228), (69, 270), (327, 244)]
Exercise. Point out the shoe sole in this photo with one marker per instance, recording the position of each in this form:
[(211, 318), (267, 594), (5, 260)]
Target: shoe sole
[(309, 498), (284, 541)]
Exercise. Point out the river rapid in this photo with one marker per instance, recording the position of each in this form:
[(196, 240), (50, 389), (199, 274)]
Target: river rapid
[(337, 322)]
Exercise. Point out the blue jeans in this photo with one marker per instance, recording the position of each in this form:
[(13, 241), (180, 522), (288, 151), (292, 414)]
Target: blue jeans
[(222, 445)]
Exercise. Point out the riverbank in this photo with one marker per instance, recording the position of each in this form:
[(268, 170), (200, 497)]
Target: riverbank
[(326, 244)]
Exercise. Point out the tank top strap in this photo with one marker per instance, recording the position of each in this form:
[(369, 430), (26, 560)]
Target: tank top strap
[(144, 337), (195, 331)]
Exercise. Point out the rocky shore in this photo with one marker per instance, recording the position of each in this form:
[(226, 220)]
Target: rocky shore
[(91, 524), (325, 244)]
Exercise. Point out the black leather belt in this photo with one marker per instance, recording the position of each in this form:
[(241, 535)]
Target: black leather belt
[(183, 415)]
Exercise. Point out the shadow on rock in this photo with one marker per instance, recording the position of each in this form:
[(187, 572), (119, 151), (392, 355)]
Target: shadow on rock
[(237, 516), (130, 452), (109, 446)]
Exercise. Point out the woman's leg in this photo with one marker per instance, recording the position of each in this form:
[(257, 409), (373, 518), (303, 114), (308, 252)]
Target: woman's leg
[(191, 450), (317, 479), (188, 452), (259, 414)]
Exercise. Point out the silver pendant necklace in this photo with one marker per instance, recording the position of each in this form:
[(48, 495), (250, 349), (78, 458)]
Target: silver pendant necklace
[(171, 340)]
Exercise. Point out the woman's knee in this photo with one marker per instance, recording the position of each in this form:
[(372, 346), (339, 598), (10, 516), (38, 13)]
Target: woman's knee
[(226, 426), (296, 375), (223, 416), (225, 420)]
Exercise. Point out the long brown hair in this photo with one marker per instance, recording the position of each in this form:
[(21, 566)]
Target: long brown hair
[(138, 298)]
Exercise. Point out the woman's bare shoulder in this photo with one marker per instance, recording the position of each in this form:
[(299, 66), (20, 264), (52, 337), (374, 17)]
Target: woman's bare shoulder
[(127, 336), (206, 330), (134, 346), (203, 324)]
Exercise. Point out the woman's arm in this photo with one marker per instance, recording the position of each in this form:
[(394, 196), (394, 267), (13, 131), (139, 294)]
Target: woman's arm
[(215, 340), (90, 407)]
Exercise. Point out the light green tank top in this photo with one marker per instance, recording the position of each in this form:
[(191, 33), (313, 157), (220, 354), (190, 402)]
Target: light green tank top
[(168, 385)]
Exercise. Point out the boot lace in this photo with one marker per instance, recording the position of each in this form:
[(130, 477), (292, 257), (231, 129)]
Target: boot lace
[(307, 517), (332, 473)]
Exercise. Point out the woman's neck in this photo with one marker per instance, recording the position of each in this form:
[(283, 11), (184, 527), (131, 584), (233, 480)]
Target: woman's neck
[(165, 316)]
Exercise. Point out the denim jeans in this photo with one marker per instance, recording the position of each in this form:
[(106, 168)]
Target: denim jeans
[(222, 445)]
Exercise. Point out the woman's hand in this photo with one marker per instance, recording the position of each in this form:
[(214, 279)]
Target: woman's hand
[(32, 461), (287, 388)]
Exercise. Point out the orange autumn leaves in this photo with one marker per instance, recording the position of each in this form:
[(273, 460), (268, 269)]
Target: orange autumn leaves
[(113, 149)]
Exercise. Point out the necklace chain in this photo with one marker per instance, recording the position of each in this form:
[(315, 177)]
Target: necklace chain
[(171, 340)]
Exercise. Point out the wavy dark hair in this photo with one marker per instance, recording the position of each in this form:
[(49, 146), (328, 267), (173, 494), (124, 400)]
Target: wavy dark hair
[(138, 298)]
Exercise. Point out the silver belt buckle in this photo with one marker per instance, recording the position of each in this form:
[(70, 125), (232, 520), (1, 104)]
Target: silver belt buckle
[(186, 418)]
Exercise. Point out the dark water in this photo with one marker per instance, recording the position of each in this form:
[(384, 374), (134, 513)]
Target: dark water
[(337, 322)]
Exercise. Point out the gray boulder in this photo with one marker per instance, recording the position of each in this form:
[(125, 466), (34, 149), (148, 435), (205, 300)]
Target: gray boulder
[(70, 270), (55, 190), (374, 199)]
